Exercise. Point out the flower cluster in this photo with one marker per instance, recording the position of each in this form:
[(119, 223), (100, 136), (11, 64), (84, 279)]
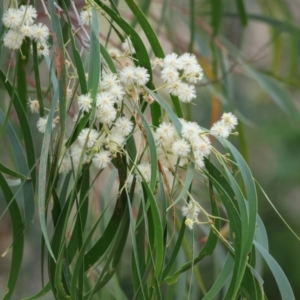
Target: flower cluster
[(111, 126), (180, 73), (172, 148), (225, 126), (21, 24), (113, 117), (86, 16), (191, 212)]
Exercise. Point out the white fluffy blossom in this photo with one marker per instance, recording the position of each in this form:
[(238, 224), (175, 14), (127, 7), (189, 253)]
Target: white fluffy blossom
[(86, 16), (102, 159), (42, 123), (85, 102), (220, 129), (191, 210), (34, 105), (13, 39), (145, 170), (193, 74), (166, 158), (88, 136), (141, 76), (104, 99), (28, 13), (12, 18), (224, 127), (169, 74), (127, 75), (114, 141), (157, 62), (109, 80), (172, 61), (186, 92), (174, 87), (165, 134), (229, 120), (114, 52), (181, 148), (190, 131), (27, 30), (187, 60), (201, 146), (43, 49), (199, 161), (106, 114), (123, 126), (77, 154), (117, 93), (65, 164), (40, 32)]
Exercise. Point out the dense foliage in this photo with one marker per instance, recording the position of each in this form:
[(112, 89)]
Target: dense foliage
[(104, 150)]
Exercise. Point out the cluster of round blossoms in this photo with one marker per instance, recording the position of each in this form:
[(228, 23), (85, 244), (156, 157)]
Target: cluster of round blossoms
[(21, 24), (180, 73), (113, 118), (111, 126)]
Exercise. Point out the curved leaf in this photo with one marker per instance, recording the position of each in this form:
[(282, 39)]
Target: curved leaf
[(283, 284), (18, 238)]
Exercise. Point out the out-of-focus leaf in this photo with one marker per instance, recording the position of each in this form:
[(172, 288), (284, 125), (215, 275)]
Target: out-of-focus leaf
[(24, 125), (108, 59), (12, 173), (246, 242), (242, 12), (277, 212), (41, 293), (23, 58), (44, 172), (81, 214), (250, 288), (277, 92), (27, 188), (261, 234), (227, 196), (61, 73), (212, 239), (77, 129), (169, 111), (137, 249), (115, 254), (250, 191), (279, 25), (79, 260), (221, 279), (107, 237), (174, 252), (94, 56), (77, 58), (192, 25), (216, 15), (283, 284), (18, 238), (188, 181)]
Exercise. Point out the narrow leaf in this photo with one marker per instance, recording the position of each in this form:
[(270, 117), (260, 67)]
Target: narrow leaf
[(18, 238), (283, 284), (242, 12)]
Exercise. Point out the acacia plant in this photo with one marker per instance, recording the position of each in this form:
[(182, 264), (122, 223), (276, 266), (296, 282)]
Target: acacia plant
[(124, 183)]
